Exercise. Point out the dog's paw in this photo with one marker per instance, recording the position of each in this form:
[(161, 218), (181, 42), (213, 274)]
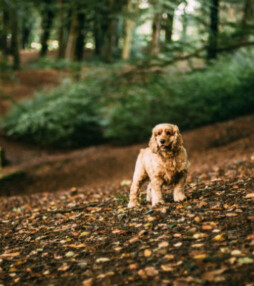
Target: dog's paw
[(178, 197), (133, 204), (156, 203), (148, 198)]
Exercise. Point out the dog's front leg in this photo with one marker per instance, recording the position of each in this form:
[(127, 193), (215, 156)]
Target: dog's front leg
[(156, 185), (138, 178), (179, 188), (134, 195), (149, 193)]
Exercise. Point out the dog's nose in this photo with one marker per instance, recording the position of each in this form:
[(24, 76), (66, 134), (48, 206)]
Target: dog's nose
[(162, 141)]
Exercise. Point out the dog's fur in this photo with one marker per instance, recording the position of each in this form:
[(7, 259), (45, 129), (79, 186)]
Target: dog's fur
[(163, 162)]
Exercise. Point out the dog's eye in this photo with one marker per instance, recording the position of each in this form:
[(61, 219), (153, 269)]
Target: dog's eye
[(159, 133), (168, 133)]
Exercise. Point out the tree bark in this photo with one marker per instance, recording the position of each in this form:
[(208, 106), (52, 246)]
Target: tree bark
[(47, 21), (61, 46), (248, 18), (73, 36), (75, 44), (169, 26), (156, 26), (110, 33), (98, 35), (4, 32), (184, 24), (15, 38), (214, 28), (128, 27), (81, 37)]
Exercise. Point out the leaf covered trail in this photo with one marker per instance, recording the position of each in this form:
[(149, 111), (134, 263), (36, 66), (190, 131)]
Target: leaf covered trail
[(89, 237)]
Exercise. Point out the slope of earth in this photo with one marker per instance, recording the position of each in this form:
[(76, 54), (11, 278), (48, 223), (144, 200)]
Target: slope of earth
[(89, 237), (209, 149)]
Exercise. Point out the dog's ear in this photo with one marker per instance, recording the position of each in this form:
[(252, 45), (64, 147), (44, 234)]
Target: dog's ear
[(178, 140), (153, 144)]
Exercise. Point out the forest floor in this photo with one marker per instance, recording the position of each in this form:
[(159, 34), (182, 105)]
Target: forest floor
[(64, 218)]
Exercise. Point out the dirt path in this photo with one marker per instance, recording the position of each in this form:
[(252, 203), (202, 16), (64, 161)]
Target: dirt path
[(209, 148), (88, 237)]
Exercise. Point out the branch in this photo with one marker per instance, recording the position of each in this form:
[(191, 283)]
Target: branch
[(235, 46), (144, 67)]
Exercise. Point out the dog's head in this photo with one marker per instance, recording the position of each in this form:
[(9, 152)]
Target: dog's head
[(165, 138)]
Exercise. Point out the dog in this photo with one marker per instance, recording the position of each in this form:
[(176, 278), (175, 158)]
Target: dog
[(164, 162)]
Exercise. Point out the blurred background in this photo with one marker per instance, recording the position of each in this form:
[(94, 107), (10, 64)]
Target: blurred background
[(82, 73)]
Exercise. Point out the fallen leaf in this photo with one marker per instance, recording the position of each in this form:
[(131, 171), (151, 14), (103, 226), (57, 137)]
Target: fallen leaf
[(64, 267), (133, 266), (199, 235), (169, 257), (250, 237), (236, 252), (151, 271), (178, 244), (167, 267), (220, 237), (102, 260), (211, 275), (249, 196), (163, 244), (245, 260), (231, 214), (69, 254), (9, 255), (147, 252), (88, 282)]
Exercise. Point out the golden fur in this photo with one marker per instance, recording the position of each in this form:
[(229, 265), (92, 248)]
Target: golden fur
[(164, 162)]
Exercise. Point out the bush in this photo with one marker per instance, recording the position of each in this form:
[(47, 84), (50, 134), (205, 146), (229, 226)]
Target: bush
[(223, 91), (110, 107), (67, 116)]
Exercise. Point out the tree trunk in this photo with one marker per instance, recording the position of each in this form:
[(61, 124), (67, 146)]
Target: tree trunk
[(73, 36), (25, 33), (4, 33), (47, 21), (75, 44), (61, 46), (128, 27), (155, 43), (81, 37), (98, 36), (214, 28), (184, 24), (128, 32), (110, 33), (247, 19), (169, 26), (15, 38)]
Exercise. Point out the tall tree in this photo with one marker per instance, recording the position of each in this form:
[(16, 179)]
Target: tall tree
[(5, 28), (184, 23), (213, 29), (156, 27), (169, 25), (75, 44), (110, 32), (61, 45), (15, 37), (128, 28), (46, 22), (247, 19)]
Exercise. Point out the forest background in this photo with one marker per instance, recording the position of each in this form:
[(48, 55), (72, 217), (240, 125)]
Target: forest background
[(129, 65)]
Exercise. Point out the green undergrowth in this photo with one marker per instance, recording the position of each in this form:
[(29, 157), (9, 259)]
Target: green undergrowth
[(110, 105)]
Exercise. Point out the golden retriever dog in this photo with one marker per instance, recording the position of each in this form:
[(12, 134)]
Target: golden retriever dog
[(164, 162)]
